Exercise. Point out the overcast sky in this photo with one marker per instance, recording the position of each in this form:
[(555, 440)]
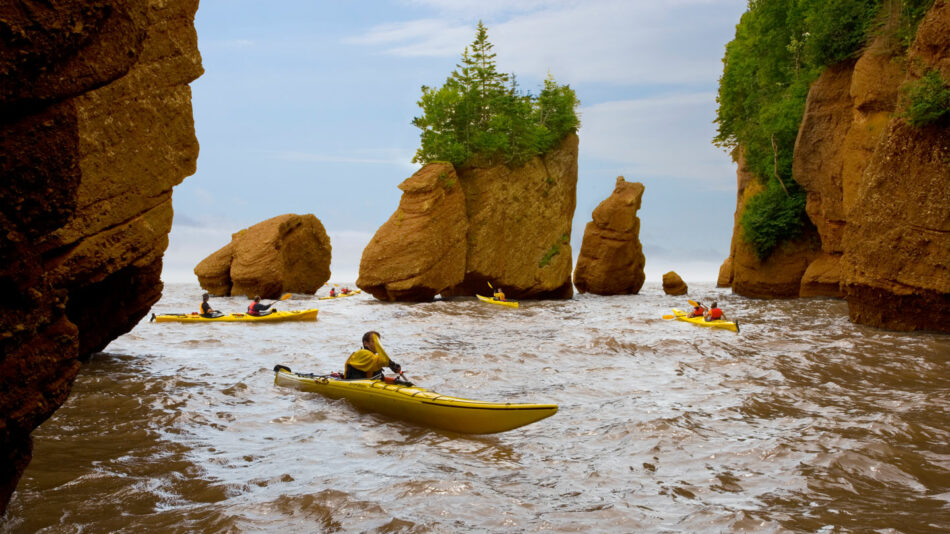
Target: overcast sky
[(306, 107)]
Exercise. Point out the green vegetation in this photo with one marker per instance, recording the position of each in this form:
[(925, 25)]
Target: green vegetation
[(480, 117), (554, 250), (780, 48), (927, 100)]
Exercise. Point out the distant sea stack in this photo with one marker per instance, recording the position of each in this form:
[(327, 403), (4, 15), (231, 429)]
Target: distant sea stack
[(518, 233), (287, 253), (611, 258), (420, 251), (674, 285), (876, 190), (96, 129)]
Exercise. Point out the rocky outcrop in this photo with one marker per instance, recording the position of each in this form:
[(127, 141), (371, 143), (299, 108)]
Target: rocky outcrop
[(725, 273), (611, 258), (95, 130), (779, 275), (673, 284), (287, 253), (877, 188), (518, 234), (420, 251), (892, 252)]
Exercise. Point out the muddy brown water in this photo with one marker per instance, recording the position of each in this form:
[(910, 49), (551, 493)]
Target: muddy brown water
[(803, 422)]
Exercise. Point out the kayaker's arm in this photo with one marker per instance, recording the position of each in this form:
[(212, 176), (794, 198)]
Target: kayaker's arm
[(382, 352)]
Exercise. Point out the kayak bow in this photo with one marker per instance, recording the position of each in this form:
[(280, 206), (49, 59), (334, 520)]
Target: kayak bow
[(419, 405)]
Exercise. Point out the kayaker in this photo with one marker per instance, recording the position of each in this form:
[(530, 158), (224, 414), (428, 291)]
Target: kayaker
[(368, 362), (257, 309), (714, 313), (698, 310), (207, 310), (332, 292), (499, 294)]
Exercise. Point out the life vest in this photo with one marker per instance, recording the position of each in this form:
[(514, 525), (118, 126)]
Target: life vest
[(499, 295), (715, 314), (250, 308)]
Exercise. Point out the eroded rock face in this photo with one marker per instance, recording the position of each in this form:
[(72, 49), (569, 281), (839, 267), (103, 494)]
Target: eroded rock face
[(611, 259), (780, 275), (287, 253), (673, 284), (519, 226), (420, 251), (95, 130)]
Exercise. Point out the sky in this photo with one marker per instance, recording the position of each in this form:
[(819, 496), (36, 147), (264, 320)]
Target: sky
[(306, 107)]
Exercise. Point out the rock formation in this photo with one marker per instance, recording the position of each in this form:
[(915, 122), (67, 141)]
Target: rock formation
[(611, 258), (877, 189), (95, 130), (420, 251), (780, 275), (287, 253), (518, 236), (673, 284)]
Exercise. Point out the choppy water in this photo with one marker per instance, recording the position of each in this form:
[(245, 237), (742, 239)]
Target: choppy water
[(803, 422)]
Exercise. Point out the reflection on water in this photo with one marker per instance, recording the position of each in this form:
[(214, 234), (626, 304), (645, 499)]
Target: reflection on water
[(803, 422)]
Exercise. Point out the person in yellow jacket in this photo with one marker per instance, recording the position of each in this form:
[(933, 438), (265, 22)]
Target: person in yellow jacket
[(499, 294), (368, 362)]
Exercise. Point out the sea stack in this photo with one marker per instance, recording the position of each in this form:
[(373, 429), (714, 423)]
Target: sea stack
[(611, 258), (287, 253)]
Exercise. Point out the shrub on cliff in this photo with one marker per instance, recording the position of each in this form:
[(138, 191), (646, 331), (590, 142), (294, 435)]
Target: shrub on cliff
[(480, 117), (927, 100), (780, 48)]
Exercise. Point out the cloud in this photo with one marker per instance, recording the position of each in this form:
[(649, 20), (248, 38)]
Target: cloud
[(663, 136), (605, 41)]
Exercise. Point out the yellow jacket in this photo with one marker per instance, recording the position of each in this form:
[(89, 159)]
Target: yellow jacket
[(368, 361)]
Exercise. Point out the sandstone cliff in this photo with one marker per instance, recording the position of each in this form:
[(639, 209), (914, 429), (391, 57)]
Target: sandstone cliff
[(95, 130), (780, 275), (518, 234), (287, 253), (876, 190), (673, 284), (420, 251), (611, 258)]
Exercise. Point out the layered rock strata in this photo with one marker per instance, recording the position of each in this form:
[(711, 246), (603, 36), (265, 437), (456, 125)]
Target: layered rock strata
[(420, 251), (95, 130), (287, 253), (518, 234), (611, 258)]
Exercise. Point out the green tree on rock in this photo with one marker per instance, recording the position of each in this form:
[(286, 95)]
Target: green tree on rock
[(479, 116)]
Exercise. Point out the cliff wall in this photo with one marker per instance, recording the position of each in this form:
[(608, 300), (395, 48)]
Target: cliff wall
[(877, 191), (96, 129)]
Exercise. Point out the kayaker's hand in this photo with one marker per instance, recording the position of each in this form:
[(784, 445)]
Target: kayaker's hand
[(396, 368)]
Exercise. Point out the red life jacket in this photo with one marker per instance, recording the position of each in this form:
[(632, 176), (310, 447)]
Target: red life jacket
[(715, 314), (250, 308)]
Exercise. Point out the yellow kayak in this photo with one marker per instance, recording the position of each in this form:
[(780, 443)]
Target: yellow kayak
[(350, 294), (419, 405), (508, 303), (276, 317), (701, 321)]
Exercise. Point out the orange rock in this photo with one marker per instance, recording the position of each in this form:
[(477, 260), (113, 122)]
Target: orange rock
[(287, 253), (95, 132), (725, 273), (673, 284), (420, 251), (519, 226), (822, 277), (611, 258)]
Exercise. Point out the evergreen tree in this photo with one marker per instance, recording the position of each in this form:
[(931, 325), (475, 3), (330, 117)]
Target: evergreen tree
[(480, 117)]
